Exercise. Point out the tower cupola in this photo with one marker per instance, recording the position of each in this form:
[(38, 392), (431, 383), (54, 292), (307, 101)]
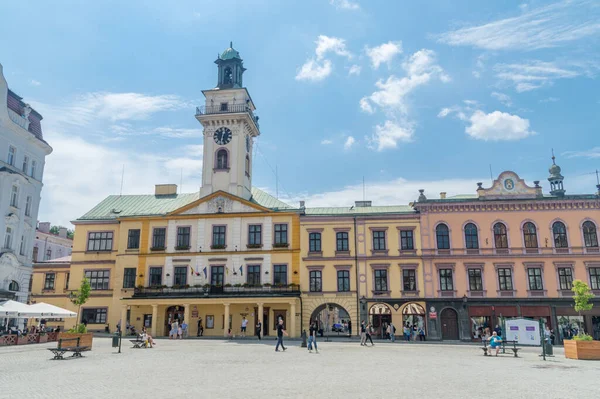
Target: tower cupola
[(231, 69), (556, 179)]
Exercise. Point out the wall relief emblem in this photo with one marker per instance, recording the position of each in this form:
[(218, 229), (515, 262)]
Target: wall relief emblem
[(220, 204)]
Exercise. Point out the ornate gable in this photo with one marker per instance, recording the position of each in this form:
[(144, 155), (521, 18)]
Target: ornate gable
[(509, 185), (219, 202)]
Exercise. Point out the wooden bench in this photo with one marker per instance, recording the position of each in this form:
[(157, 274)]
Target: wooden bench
[(503, 345), (60, 350)]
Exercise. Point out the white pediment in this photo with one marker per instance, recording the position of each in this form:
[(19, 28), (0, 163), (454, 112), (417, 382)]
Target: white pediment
[(220, 204), (509, 185)]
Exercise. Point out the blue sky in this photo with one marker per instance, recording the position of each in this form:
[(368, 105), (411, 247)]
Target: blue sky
[(407, 95)]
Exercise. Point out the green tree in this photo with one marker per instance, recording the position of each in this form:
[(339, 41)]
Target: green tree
[(582, 294), (78, 298), (55, 229)]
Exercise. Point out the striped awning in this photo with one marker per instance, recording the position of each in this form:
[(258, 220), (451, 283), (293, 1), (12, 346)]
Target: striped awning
[(413, 308)]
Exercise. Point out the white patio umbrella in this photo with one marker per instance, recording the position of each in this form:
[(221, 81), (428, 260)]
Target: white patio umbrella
[(6, 313), (18, 309), (48, 311)]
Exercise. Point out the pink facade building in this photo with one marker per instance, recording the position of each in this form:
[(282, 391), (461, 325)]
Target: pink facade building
[(509, 251)]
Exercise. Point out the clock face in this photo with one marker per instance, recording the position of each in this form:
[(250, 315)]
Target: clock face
[(222, 136), (247, 143)]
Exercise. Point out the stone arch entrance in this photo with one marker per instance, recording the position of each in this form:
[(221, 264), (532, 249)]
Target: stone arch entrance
[(332, 319), (449, 321), (380, 316), (173, 313)]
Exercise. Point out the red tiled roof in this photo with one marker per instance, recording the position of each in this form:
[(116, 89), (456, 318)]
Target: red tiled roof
[(15, 103)]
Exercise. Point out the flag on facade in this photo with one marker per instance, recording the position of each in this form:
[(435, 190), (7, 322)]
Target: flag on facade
[(204, 270), (241, 270), (192, 269)]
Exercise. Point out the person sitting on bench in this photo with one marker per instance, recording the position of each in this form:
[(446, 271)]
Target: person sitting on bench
[(147, 337), (495, 342)]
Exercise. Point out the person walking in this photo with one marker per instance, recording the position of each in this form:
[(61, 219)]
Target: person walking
[(200, 328), (258, 329), (280, 333), (392, 332), (406, 332), (184, 329), (350, 328), (312, 338), (363, 333), (244, 325), (368, 331), (421, 334), (179, 331)]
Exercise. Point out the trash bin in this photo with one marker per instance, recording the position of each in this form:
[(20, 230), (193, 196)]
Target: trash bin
[(303, 339), (115, 340)]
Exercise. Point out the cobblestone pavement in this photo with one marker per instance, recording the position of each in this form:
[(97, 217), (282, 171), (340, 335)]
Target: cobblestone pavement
[(248, 369)]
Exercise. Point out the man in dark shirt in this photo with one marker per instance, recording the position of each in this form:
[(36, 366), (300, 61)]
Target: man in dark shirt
[(280, 333), (350, 328)]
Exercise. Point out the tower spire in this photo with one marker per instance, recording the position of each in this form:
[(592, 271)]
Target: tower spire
[(556, 178)]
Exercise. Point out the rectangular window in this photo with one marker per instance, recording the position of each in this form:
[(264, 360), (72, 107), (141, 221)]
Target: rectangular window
[(49, 281), (253, 275), (379, 241), (28, 206), (34, 256), (380, 276), (505, 279), (67, 278), (343, 280), (12, 154), (129, 277), (475, 280), (33, 168), (14, 197), (94, 316), (255, 235), (22, 247), (48, 254), (281, 234), (25, 167), (155, 279), (280, 274), (133, 239), (217, 275), (314, 242), (315, 284), (534, 274), (224, 106), (406, 240), (101, 241), (565, 275), (159, 238), (595, 278), (341, 239), (99, 279), (8, 238), (218, 237), (180, 276), (409, 280), (446, 283), (183, 238)]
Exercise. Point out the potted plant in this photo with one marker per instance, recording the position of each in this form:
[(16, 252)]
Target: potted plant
[(582, 346), (79, 298), (281, 245), (182, 247), (253, 246)]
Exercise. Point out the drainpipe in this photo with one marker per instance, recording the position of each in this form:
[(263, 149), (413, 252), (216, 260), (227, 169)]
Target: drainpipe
[(359, 310)]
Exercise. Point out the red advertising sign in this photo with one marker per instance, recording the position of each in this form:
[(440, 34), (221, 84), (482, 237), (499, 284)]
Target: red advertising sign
[(433, 315)]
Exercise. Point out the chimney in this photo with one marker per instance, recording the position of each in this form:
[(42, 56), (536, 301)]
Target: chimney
[(44, 227), (165, 189), (362, 204), (302, 203), (443, 195), (62, 232)]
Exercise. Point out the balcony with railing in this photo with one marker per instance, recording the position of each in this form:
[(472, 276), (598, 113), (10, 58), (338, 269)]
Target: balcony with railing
[(216, 291), (227, 109)]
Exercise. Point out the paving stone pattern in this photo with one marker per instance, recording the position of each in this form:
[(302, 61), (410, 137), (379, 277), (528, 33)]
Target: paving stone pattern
[(248, 369)]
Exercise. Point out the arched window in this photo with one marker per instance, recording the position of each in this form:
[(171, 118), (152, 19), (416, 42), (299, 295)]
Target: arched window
[(471, 239), (590, 235), (228, 76), (13, 286), (530, 235), (222, 162), (560, 235), (442, 235), (8, 238), (247, 165), (500, 236)]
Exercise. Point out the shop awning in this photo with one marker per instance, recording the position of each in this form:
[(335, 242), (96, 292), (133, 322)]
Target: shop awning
[(413, 309), (48, 311)]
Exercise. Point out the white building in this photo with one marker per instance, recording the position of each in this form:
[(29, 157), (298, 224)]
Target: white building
[(22, 157), (48, 246)]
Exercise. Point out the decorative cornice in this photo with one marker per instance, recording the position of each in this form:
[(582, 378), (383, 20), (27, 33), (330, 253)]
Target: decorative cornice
[(512, 206)]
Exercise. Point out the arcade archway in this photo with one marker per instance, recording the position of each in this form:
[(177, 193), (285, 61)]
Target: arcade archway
[(332, 319), (380, 315)]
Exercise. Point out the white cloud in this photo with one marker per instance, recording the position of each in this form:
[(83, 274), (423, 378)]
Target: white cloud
[(326, 142), (126, 129), (444, 112), (593, 153), (349, 142), (388, 135), (366, 106), (34, 82), (327, 44), (316, 69), (550, 100), (548, 26), (79, 174), (354, 70), (503, 98), (345, 4), (498, 126), (534, 74), (313, 71), (384, 53)]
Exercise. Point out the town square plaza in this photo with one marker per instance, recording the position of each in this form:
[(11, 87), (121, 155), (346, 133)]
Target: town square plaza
[(252, 369)]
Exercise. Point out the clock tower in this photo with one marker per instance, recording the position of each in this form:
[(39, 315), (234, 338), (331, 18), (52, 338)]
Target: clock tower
[(230, 128)]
